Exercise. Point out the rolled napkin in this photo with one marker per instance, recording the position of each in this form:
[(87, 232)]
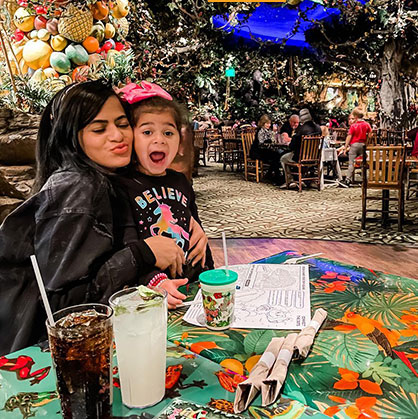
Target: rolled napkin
[(271, 385), (248, 389), (306, 337)]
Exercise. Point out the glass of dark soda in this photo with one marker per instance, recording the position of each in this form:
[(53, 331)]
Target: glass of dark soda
[(81, 345)]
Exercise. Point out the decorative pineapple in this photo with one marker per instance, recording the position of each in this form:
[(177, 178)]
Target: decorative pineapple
[(122, 26), (75, 24)]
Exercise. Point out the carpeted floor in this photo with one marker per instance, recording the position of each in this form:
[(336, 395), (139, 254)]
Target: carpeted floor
[(243, 209)]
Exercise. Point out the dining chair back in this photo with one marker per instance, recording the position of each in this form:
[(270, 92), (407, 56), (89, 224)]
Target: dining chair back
[(214, 141), (383, 169), (252, 167), (308, 168), (200, 142)]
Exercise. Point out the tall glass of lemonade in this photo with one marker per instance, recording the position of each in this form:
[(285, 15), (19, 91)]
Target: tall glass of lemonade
[(140, 329)]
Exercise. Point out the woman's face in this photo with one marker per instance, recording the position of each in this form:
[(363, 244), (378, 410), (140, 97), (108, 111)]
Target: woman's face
[(157, 142), (267, 125), (107, 140)]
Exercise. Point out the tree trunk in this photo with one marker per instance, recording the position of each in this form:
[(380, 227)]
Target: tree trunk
[(395, 94)]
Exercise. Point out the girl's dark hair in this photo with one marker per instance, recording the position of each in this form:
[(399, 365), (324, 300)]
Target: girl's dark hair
[(69, 111), (159, 104)]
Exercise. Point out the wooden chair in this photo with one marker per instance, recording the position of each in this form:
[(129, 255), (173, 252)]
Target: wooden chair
[(214, 142), (200, 142), (231, 153), (391, 137), (309, 160), (383, 170), (251, 167)]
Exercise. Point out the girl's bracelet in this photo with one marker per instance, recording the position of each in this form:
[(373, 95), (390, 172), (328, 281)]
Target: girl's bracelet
[(157, 280)]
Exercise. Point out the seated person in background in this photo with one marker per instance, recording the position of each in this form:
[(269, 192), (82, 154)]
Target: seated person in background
[(263, 137), (415, 147), (327, 137), (356, 140), (307, 127), (288, 129)]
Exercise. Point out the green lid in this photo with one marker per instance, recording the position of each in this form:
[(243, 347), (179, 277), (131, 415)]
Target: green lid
[(217, 277)]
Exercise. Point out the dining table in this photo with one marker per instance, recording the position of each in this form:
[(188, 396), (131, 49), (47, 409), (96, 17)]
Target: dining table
[(363, 363)]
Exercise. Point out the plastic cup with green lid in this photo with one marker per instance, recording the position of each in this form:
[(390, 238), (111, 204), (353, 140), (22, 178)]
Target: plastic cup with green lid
[(218, 295)]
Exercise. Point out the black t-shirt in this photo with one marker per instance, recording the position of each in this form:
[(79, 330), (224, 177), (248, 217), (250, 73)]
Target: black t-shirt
[(161, 205)]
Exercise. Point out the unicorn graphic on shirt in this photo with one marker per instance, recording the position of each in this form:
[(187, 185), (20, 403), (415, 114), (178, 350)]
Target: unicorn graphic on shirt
[(166, 223)]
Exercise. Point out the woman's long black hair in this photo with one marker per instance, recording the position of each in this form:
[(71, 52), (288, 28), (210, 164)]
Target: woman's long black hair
[(69, 111)]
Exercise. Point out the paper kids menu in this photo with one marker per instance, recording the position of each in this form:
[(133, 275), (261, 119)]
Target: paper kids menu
[(267, 296)]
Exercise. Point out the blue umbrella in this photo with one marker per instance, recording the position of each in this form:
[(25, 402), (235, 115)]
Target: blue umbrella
[(274, 24)]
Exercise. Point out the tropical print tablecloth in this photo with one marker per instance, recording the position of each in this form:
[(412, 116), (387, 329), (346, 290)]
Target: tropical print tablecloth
[(363, 363)]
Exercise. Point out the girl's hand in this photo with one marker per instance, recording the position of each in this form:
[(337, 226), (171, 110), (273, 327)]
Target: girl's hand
[(167, 254), (174, 296), (198, 243)]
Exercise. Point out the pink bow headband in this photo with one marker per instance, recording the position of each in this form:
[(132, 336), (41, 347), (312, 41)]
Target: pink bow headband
[(134, 92)]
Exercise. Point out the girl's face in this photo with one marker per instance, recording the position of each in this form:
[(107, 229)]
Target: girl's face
[(107, 140), (267, 125), (351, 120), (156, 143)]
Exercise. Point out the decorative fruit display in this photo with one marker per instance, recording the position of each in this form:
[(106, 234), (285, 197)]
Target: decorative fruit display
[(100, 10), (120, 9), (91, 44), (23, 20), (109, 31), (81, 73), (40, 22), (97, 31), (75, 24), (58, 42), (52, 26), (36, 54), (77, 54), (43, 35), (121, 26), (60, 62)]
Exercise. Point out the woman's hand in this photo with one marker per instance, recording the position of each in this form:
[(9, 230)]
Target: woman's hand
[(167, 254), (174, 296), (198, 243)]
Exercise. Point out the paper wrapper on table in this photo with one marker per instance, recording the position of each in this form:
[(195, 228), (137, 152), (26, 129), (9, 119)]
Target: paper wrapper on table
[(248, 389), (306, 337), (272, 384)]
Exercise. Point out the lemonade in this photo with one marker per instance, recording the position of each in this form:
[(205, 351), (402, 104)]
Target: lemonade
[(140, 328)]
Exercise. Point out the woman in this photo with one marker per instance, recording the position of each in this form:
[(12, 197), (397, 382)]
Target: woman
[(83, 252), (261, 151)]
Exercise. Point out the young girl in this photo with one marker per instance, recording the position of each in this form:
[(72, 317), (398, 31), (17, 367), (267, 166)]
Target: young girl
[(162, 200), (71, 222)]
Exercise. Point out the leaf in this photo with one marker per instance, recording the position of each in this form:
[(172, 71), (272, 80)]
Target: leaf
[(215, 355), (331, 411), (399, 404), (257, 341), (236, 337), (352, 350), (345, 385), (388, 308), (337, 399), (366, 402), (370, 387)]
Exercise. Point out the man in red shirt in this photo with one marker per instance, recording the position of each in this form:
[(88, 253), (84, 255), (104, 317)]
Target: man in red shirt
[(355, 142)]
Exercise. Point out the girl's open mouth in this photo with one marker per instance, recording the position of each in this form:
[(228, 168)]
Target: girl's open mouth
[(157, 156)]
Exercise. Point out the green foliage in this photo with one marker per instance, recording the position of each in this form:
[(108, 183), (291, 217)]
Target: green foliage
[(30, 97), (121, 71), (351, 350)]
